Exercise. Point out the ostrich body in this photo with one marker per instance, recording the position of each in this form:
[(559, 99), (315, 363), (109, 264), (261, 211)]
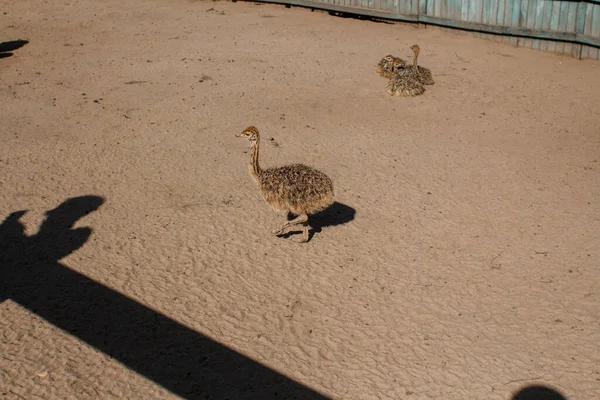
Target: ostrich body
[(406, 81), (295, 188)]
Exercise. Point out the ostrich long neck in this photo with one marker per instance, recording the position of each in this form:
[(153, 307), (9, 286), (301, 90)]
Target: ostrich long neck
[(415, 66), (254, 164)]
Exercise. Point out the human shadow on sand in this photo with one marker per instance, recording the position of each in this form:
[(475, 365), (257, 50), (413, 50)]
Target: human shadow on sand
[(538, 392), (6, 48), (174, 356), (335, 214)]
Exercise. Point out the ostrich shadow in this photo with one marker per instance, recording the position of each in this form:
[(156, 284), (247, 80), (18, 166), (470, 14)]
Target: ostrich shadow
[(174, 356), (335, 214), (6, 48)]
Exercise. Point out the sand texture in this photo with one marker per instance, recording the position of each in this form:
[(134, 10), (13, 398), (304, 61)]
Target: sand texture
[(461, 259)]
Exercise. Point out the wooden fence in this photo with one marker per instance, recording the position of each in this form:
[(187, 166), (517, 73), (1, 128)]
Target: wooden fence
[(566, 27)]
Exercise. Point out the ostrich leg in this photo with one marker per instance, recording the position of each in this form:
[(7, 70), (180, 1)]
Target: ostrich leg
[(304, 237), (300, 219)]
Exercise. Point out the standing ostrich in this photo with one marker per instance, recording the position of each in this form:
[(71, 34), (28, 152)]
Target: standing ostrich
[(295, 188)]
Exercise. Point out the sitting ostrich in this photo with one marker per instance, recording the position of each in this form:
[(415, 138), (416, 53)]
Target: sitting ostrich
[(425, 76), (295, 188), (388, 65), (406, 81)]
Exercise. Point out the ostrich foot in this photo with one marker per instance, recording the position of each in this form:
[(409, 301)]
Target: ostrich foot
[(300, 219)]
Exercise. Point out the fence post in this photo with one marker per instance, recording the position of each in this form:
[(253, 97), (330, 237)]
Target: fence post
[(422, 9), (580, 24)]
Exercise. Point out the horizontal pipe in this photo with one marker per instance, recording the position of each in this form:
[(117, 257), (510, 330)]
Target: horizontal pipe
[(571, 37)]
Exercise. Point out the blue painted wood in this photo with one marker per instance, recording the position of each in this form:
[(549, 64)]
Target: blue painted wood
[(500, 12), (571, 25), (547, 15), (539, 20), (579, 26), (562, 24), (454, 9), (415, 7), (563, 16), (508, 9), (572, 16), (464, 11), (528, 19), (475, 14), (595, 24), (589, 16), (530, 22), (422, 7), (543, 21), (430, 7), (516, 14), (441, 7), (554, 18), (523, 12), (492, 13), (474, 11), (594, 53), (587, 29), (486, 8)]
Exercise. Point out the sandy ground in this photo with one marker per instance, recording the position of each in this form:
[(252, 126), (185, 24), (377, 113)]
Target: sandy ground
[(460, 262)]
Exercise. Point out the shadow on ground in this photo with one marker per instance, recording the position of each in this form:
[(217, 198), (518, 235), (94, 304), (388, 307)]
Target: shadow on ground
[(341, 14), (178, 358), (6, 48), (538, 392), (335, 214)]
